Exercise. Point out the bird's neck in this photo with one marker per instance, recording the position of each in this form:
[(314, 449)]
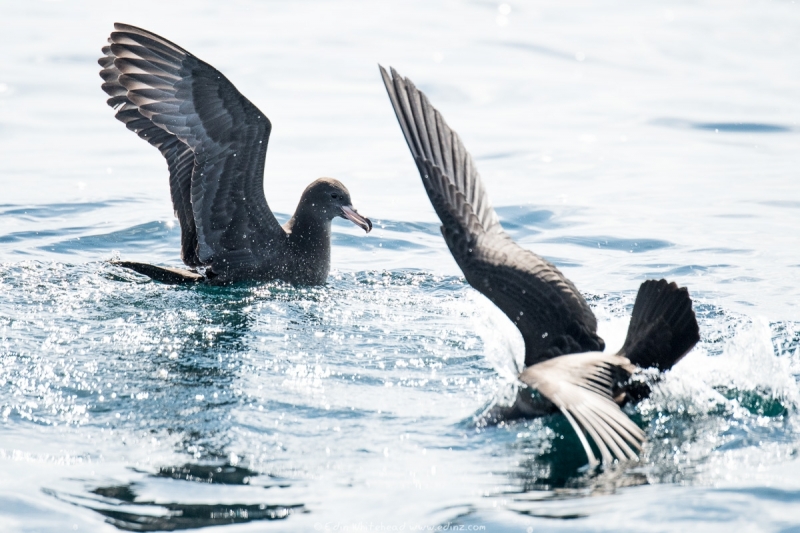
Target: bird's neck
[(309, 234)]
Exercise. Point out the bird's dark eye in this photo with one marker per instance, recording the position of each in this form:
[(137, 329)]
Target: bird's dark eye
[(334, 195)]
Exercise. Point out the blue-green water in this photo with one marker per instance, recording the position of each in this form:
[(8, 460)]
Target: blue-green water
[(623, 142)]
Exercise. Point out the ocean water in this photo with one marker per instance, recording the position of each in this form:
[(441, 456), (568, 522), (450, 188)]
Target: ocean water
[(621, 140)]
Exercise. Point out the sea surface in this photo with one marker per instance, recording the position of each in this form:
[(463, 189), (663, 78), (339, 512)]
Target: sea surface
[(622, 140)]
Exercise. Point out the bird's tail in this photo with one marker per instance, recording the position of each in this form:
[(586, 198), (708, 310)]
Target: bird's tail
[(663, 326), (170, 276)]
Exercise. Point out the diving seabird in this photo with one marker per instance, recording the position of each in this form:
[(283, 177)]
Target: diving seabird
[(215, 141), (566, 369)]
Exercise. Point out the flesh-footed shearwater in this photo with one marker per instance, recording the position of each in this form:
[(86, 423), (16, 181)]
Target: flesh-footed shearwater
[(215, 141), (566, 369)]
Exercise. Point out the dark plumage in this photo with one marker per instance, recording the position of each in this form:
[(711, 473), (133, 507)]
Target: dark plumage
[(215, 143), (565, 367)]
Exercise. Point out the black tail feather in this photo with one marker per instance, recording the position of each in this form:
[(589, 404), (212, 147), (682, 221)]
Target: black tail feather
[(663, 326), (170, 276)]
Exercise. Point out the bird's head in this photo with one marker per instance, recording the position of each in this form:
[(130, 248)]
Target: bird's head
[(329, 198)]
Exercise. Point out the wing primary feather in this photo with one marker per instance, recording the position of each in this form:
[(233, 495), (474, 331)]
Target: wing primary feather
[(166, 70), (569, 382), (405, 108), (429, 114), (623, 430), (200, 123), (445, 138), (596, 438), (419, 120), (614, 442), (579, 432)]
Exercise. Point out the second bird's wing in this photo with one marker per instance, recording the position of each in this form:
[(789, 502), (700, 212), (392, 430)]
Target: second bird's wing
[(551, 314)]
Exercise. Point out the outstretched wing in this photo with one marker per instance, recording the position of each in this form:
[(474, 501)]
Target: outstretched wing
[(551, 314), (580, 386), (227, 135), (180, 158)]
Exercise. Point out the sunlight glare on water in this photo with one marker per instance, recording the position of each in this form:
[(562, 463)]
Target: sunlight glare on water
[(622, 141)]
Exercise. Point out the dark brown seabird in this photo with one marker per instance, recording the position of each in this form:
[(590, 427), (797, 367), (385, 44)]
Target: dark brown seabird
[(215, 141), (566, 369)]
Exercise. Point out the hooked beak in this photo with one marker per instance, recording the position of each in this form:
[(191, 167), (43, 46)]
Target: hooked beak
[(352, 215)]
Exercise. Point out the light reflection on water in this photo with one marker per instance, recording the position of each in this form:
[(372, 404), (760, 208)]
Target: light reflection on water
[(368, 384), (661, 149)]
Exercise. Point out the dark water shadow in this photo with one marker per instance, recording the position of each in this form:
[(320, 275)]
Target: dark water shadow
[(385, 239), (402, 226), (45, 211), (562, 467), (221, 474), (549, 483), (612, 243), (766, 493), (789, 204), (123, 509), (722, 127), (517, 217), (186, 516), (126, 510), (512, 218), (150, 235), (387, 234), (740, 127), (499, 155), (670, 271), (20, 236), (552, 461), (722, 250)]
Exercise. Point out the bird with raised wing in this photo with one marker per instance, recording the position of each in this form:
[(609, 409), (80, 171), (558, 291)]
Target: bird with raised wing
[(215, 142), (565, 367)]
